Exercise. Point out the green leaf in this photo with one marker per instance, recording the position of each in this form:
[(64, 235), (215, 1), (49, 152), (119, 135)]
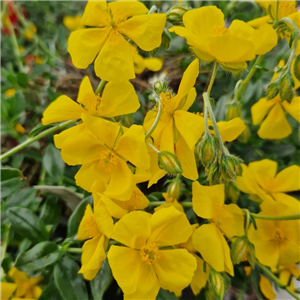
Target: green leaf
[(39, 128), (27, 224), (22, 79), (53, 163), (39, 257), (11, 181), (166, 295), (77, 215), (69, 283), (51, 212), (50, 292), (102, 281), (21, 198)]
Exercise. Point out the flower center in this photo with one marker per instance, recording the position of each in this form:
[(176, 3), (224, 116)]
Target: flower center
[(150, 253), (220, 30), (167, 104), (109, 160), (286, 8), (90, 227), (278, 235), (93, 104)]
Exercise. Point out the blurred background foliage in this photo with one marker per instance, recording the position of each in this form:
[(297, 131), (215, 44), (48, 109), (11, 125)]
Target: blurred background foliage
[(41, 204)]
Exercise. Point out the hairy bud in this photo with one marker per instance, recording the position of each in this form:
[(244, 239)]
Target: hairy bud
[(160, 87), (286, 85), (169, 162), (234, 110), (218, 283), (206, 150), (296, 68), (175, 13), (174, 189), (272, 90), (231, 191)]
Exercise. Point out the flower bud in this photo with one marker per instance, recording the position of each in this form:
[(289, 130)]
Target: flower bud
[(218, 283), (296, 68), (206, 150), (166, 39), (244, 136), (286, 85), (231, 191), (272, 90), (169, 162), (230, 166), (234, 110), (213, 174), (175, 13), (239, 249), (160, 87), (174, 189)]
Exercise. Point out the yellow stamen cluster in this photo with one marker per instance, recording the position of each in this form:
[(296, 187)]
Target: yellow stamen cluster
[(220, 30), (150, 253), (90, 227), (93, 104), (278, 235), (167, 105), (109, 160), (221, 213)]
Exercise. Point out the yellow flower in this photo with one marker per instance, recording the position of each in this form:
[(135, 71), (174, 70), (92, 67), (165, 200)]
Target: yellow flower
[(141, 63), (276, 242), (146, 262), (91, 228), (29, 31), (177, 126), (26, 287), (266, 288), (103, 149), (208, 203), (9, 93), (38, 60), (210, 40), (117, 99), (260, 179), (7, 289), (19, 128), (72, 22), (170, 202), (113, 20)]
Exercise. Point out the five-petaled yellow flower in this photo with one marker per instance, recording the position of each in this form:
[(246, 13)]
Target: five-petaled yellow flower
[(106, 41), (231, 47), (147, 262)]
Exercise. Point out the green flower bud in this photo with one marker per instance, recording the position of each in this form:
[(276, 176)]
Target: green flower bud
[(166, 39), (213, 174), (234, 110), (239, 249), (231, 191), (230, 166), (160, 87), (272, 90), (169, 162), (218, 283), (244, 136), (174, 189), (286, 85), (297, 67), (175, 13), (206, 150)]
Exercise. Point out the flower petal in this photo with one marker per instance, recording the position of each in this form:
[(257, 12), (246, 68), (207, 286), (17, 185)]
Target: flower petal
[(119, 98), (88, 227), (175, 268), (288, 180), (232, 129), (190, 126), (7, 290), (260, 109), (93, 255), (263, 170), (60, 138), (153, 64), (275, 126), (125, 265), (144, 30), (85, 44), (211, 244), (85, 89), (115, 63), (169, 227), (200, 277), (133, 229), (266, 288), (289, 252), (103, 218), (293, 108), (132, 147), (125, 9), (62, 109), (96, 14)]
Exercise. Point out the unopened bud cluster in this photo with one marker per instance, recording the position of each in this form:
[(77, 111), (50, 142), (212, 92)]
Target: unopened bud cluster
[(175, 13), (160, 87)]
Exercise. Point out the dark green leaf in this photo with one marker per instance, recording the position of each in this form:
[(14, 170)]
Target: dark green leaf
[(69, 283), (11, 181), (53, 162), (22, 79), (21, 198), (39, 257), (27, 224), (166, 295), (51, 212), (77, 215), (102, 281), (50, 292), (38, 128)]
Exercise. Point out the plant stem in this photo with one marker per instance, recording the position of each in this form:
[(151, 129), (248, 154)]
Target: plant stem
[(100, 87), (212, 78), (156, 203), (148, 134), (74, 250), (247, 221), (279, 218), (151, 146), (276, 280), (15, 45), (212, 117), (36, 138), (245, 82)]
